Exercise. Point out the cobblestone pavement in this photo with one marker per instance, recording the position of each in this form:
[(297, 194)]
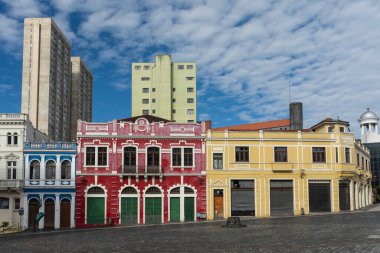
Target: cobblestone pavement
[(347, 232)]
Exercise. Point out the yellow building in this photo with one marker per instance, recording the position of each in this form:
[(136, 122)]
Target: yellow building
[(165, 89), (283, 172)]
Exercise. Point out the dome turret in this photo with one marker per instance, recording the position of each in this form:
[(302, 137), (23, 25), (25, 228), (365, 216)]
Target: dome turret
[(369, 116)]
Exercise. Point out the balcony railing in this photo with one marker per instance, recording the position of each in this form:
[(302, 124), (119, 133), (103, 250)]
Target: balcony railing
[(54, 146), (141, 170), (11, 183)]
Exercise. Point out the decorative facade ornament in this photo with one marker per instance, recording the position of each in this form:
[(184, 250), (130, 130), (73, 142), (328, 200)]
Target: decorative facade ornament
[(142, 125), (11, 156)]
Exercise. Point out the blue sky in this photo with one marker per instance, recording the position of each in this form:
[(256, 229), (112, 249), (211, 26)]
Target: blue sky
[(247, 52)]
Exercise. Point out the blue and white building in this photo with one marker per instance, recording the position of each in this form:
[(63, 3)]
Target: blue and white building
[(49, 185)]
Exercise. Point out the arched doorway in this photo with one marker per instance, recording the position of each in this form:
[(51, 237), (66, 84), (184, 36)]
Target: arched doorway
[(49, 214), (189, 204), (95, 203), (129, 206), (182, 204), (175, 204), (65, 215), (34, 207), (153, 206)]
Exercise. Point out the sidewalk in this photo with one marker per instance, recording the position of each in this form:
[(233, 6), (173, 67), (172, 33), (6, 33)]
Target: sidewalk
[(374, 208)]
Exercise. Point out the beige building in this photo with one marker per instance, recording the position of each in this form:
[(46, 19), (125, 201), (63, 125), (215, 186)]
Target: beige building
[(81, 94), (47, 77), (165, 89)]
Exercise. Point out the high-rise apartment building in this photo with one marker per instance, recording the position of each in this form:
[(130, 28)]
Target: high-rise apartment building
[(165, 89), (81, 94), (47, 78)]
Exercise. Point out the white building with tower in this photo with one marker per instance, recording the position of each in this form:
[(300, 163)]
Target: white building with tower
[(369, 127), (370, 137)]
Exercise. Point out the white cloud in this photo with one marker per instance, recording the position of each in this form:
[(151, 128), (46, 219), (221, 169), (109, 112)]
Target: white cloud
[(5, 87), (120, 86), (25, 8), (246, 51), (204, 116), (10, 33)]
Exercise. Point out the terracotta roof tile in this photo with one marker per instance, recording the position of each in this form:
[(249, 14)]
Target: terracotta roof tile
[(256, 126)]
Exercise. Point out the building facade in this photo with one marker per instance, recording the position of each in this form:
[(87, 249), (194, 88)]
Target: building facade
[(46, 77), (140, 170), (81, 94), (370, 137), (165, 89), (15, 129), (47, 80), (286, 172), (49, 185)]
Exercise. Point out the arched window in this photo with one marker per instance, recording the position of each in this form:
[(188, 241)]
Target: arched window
[(9, 138), (66, 170), (95, 190), (50, 169), (35, 170), (188, 190), (153, 156), (15, 139), (175, 191), (129, 156), (153, 190), (129, 190)]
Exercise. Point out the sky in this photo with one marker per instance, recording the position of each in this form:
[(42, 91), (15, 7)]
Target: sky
[(249, 53)]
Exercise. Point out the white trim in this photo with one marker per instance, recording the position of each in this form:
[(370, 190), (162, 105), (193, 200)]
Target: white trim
[(182, 156), (95, 195), (182, 196), (154, 195), (212, 160), (96, 156), (128, 146), (146, 156), (129, 195)]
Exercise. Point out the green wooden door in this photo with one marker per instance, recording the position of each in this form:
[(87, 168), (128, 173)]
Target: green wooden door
[(152, 210), (129, 210), (95, 210), (189, 208), (175, 209)]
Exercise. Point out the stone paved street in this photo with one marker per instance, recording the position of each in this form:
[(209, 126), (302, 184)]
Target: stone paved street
[(347, 232)]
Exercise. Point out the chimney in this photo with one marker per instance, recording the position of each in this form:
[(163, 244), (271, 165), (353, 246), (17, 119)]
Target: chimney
[(296, 117), (207, 124)]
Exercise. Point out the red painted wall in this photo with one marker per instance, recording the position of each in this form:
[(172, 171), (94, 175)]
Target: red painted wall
[(142, 134)]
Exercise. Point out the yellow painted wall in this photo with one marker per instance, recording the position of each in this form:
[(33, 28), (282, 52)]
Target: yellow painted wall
[(300, 167)]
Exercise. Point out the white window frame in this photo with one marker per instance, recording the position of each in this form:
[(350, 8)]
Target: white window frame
[(190, 110), (96, 156), (182, 157), (13, 169), (137, 154), (212, 160)]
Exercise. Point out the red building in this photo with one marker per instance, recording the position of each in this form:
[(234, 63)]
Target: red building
[(140, 170)]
